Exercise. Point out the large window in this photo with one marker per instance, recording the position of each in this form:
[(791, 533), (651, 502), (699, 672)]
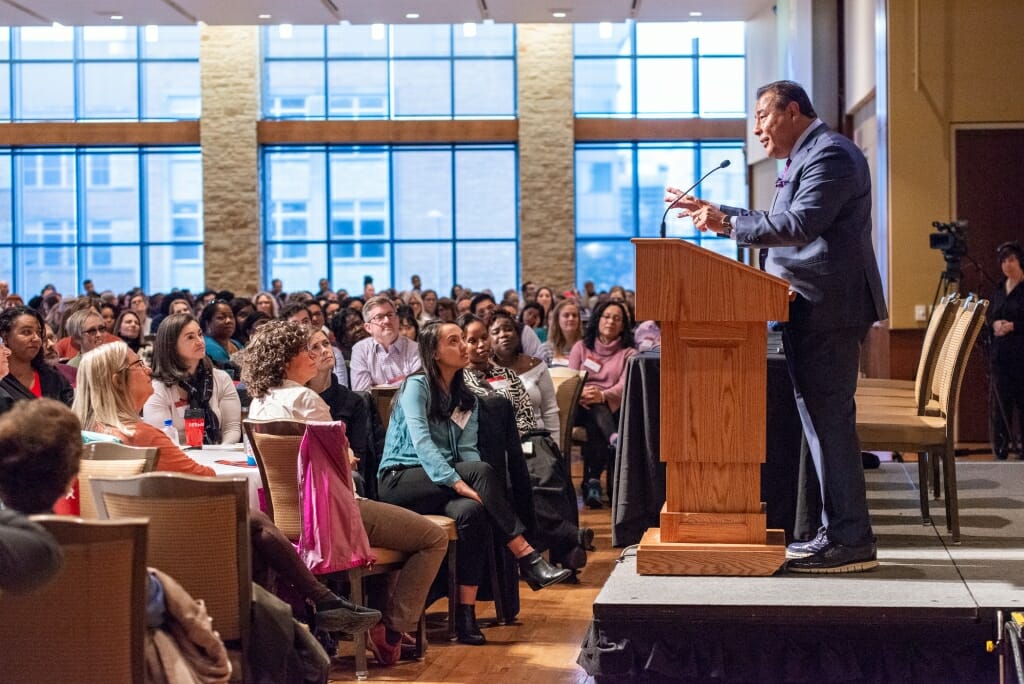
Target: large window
[(687, 69), (389, 72), (447, 213), (123, 217), (620, 190), (99, 73)]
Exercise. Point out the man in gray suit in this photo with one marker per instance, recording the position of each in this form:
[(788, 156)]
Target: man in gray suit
[(818, 236)]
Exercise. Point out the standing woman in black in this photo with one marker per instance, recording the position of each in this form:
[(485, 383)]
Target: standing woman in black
[(1006, 320), (23, 332)]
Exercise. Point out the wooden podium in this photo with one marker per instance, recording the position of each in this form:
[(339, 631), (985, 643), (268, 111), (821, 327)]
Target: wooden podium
[(713, 312)]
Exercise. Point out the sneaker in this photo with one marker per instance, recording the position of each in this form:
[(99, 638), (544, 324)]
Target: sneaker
[(836, 558), (592, 494), (803, 549), (385, 653)]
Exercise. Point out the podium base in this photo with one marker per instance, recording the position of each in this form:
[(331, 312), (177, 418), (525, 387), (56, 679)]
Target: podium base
[(655, 557)]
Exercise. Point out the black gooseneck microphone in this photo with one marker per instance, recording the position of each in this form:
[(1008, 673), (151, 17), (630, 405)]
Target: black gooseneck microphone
[(686, 192)]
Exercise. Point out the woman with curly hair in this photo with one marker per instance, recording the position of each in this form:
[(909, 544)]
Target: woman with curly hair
[(24, 332)]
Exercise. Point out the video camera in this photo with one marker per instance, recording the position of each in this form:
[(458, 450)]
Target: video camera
[(951, 239)]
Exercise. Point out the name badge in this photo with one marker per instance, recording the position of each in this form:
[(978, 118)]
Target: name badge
[(527, 448), (592, 364), (460, 417), (498, 383)]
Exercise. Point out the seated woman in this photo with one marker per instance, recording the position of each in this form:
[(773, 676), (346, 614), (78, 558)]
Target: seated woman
[(184, 378), (533, 317), (564, 331), (129, 328), (23, 332), (431, 465), (603, 352), (113, 386), (507, 352), (408, 326), (218, 322), (278, 364)]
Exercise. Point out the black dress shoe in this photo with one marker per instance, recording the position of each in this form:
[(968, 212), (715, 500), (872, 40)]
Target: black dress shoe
[(466, 629), (836, 558), (803, 549), (337, 614), (575, 559), (585, 538), (538, 573)]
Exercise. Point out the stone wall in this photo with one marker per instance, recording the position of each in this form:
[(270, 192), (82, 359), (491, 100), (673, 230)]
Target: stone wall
[(229, 62)]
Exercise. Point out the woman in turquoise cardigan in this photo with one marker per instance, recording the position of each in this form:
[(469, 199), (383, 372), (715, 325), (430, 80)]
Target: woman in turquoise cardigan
[(431, 465)]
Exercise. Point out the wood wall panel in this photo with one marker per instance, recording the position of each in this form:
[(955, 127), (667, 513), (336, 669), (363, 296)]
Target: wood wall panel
[(68, 134), (387, 132), (596, 130)]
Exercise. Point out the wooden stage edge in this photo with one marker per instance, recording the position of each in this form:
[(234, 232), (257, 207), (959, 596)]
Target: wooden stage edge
[(655, 557)]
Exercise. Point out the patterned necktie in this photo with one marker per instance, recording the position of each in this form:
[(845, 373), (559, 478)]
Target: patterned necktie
[(780, 182)]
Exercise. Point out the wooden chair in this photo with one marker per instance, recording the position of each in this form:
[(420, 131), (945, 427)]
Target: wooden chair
[(932, 436), (199, 534), (275, 444), (89, 623), (109, 459), (568, 388), (383, 396)]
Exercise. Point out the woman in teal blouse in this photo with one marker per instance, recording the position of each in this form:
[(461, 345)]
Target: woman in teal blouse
[(431, 465)]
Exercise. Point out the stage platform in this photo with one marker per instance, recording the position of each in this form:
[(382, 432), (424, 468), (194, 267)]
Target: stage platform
[(923, 616)]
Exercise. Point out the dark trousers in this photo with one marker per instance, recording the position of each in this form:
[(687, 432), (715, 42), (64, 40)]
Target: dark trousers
[(412, 489), (1005, 403), (823, 365), (600, 424)]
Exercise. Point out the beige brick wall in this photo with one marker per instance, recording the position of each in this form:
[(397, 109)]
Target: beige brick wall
[(546, 151), (229, 59)]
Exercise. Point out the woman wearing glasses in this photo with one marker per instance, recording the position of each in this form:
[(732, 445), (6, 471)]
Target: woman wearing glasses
[(85, 327), (185, 379), (606, 346), (30, 377)]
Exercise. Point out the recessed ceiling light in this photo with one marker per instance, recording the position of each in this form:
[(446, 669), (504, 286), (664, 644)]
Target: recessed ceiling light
[(412, 15), (558, 15), (116, 17), (696, 14), (264, 16)]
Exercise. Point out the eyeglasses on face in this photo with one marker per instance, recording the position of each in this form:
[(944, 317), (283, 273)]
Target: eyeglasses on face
[(381, 317), (96, 330), (137, 363)]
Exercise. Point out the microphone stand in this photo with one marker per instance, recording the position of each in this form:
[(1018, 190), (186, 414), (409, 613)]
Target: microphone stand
[(684, 193)]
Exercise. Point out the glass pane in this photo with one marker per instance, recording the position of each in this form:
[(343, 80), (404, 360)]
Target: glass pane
[(658, 168), (433, 40), (38, 266), (109, 42), (615, 39), (422, 88), (722, 87), (171, 90), (46, 187), (44, 91), (174, 196), (44, 42), (295, 41), (603, 86), (351, 262), (484, 88), (6, 222), (358, 89), (170, 42), (721, 38), (360, 195), (487, 40), (294, 90), (431, 261), (175, 266), (5, 42), (653, 98), (423, 194), (7, 268), (354, 41), (606, 263), (728, 186), (111, 198), (485, 193), (295, 201), (5, 92), (666, 38), (110, 91), (482, 265), (112, 268), (723, 246), (298, 265), (604, 191)]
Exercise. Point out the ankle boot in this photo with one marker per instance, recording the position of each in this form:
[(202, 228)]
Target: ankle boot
[(538, 573), (466, 629)]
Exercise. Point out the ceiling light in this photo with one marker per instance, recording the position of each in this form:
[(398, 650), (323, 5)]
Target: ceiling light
[(604, 30), (412, 15), (377, 31), (264, 16), (558, 15), (116, 17), (696, 14), (468, 30), (284, 31)]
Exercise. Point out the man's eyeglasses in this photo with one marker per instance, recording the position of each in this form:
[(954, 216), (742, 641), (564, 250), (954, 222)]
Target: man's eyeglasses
[(381, 317)]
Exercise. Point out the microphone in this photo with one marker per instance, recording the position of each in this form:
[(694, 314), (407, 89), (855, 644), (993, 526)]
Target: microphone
[(686, 192)]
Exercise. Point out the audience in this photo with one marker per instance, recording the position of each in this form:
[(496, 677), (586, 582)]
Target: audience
[(184, 380), (386, 357)]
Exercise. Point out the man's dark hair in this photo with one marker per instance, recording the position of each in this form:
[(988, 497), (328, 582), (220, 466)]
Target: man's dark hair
[(786, 92), (289, 310), (40, 448), (480, 297)]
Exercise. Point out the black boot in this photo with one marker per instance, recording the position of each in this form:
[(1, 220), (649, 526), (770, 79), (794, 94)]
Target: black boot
[(538, 573), (466, 629)]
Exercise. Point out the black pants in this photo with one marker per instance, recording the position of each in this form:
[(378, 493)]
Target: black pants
[(1006, 402), (600, 424), (412, 489)]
